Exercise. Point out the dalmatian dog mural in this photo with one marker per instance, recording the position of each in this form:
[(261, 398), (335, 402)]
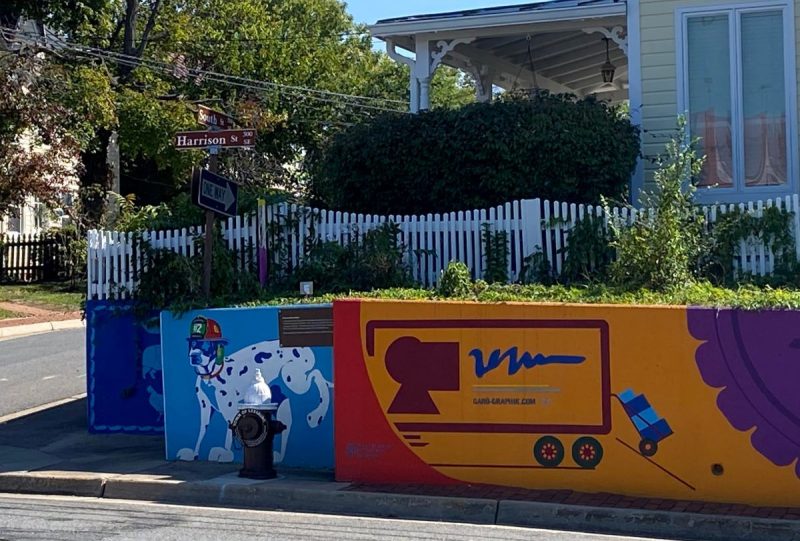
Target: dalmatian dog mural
[(223, 379)]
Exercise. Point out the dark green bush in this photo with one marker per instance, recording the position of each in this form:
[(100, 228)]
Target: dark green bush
[(370, 261), (495, 254), (456, 281), (175, 281), (549, 146)]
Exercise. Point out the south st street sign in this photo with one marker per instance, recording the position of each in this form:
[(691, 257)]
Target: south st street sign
[(213, 119), (223, 138)]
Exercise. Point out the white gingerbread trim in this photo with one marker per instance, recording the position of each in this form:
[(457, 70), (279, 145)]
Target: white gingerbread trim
[(444, 47), (616, 34)]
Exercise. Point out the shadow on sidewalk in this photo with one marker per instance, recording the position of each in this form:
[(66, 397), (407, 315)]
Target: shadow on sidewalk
[(57, 439)]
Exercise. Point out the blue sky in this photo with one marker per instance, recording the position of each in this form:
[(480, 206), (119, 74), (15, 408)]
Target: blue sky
[(369, 11)]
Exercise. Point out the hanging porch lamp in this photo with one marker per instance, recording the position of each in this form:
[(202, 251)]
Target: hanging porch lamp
[(608, 70)]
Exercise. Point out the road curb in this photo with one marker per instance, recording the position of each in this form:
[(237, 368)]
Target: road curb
[(19, 331), (37, 409), (637, 522), (120, 488), (280, 497), (53, 483), (344, 502)]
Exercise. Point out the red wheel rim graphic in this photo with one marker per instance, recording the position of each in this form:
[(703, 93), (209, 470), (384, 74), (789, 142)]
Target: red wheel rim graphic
[(587, 452), (548, 451)]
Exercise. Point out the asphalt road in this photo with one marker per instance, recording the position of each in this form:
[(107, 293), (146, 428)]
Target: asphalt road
[(87, 519), (40, 369)]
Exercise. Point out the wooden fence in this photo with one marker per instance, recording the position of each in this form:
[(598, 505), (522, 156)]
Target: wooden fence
[(35, 257), (531, 226)]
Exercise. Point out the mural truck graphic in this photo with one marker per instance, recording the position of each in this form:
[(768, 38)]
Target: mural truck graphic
[(665, 402), (546, 379)]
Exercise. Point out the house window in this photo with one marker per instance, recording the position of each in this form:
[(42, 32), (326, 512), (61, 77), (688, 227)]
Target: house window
[(737, 93)]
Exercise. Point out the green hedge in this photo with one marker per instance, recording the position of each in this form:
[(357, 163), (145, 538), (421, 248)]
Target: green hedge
[(549, 146), (699, 294)]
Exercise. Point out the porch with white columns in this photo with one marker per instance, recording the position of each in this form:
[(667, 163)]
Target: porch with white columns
[(537, 46)]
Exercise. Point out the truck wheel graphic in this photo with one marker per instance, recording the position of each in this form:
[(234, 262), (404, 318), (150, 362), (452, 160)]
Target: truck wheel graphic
[(548, 451), (648, 447), (587, 452)]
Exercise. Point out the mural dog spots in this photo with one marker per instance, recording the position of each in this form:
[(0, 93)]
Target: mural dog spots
[(222, 381)]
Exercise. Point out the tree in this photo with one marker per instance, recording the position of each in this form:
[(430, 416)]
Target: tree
[(47, 114), (297, 44)]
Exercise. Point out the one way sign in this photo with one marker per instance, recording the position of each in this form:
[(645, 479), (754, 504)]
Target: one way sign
[(217, 193)]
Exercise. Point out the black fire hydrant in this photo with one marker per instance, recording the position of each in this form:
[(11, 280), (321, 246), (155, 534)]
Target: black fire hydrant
[(256, 428)]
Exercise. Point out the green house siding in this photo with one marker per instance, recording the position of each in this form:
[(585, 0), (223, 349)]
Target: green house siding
[(659, 70)]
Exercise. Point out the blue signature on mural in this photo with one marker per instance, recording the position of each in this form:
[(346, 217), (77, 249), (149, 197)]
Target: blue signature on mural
[(517, 362)]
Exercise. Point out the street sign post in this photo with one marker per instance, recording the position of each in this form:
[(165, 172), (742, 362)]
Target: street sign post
[(192, 140), (217, 193), (214, 119), (214, 193)]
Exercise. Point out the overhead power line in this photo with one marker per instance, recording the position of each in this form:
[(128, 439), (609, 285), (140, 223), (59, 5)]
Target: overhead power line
[(365, 103)]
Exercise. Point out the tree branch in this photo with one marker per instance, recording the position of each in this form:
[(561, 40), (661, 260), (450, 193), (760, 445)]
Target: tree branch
[(115, 34), (151, 22), (128, 41)]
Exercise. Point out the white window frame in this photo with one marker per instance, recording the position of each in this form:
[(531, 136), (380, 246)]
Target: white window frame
[(739, 192)]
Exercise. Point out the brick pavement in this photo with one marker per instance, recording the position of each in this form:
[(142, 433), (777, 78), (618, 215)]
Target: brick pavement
[(583, 499)]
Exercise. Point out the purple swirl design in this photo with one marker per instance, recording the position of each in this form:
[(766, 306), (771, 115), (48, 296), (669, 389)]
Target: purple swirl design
[(754, 357)]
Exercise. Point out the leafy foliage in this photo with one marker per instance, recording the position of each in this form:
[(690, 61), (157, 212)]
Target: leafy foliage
[(549, 146), (738, 228), (373, 260), (495, 254), (303, 43), (659, 251), (695, 294), (588, 252), (175, 281), (456, 281), (37, 149)]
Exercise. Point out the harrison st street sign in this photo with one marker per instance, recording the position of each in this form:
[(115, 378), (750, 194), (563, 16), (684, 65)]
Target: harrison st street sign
[(187, 140)]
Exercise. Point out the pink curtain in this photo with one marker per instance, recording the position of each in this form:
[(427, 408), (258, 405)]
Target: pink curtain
[(716, 143), (765, 156)]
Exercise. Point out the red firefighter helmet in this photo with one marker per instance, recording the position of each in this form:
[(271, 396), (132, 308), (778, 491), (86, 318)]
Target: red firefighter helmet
[(204, 328)]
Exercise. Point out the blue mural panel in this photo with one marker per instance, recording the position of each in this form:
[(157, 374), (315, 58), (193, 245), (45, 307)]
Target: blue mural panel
[(123, 370), (209, 359)]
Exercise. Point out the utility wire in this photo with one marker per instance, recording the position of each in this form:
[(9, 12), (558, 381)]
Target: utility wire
[(298, 105), (362, 102)]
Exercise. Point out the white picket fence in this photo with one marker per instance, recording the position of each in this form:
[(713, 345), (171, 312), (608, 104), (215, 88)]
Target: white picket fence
[(431, 241), (752, 257), (114, 260)]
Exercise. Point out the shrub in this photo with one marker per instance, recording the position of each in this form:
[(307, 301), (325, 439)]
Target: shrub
[(661, 249), (175, 281), (495, 254), (456, 281), (549, 146), (374, 260), (588, 252)]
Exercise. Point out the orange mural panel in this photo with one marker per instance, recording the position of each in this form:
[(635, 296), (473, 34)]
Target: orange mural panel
[(585, 398)]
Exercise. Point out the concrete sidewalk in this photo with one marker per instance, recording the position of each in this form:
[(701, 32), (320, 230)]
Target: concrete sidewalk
[(17, 328), (50, 452)]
